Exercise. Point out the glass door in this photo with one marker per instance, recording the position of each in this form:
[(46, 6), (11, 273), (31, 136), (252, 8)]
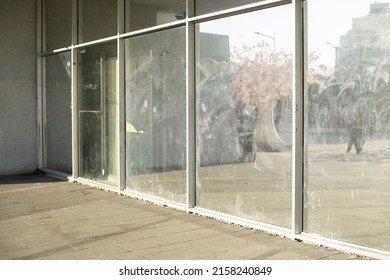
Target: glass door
[(97, 113)]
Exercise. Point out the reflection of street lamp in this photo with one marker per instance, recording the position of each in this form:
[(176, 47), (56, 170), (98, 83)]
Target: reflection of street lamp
[(337, 54), (268, 36)]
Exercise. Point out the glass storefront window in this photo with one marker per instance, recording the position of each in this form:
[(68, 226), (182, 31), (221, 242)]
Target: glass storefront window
[(347, 129), (209, 6), (97, 112), (98, 19), (58, 24), (58, 129), (156, 114), (244, 121), (147, 13), (243, 110)]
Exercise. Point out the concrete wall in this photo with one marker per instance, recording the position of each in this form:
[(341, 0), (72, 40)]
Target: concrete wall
[(18, 103)]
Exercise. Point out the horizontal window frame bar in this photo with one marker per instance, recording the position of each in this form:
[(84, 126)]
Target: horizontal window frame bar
[(196, 19), (239, 10), (55, 52)]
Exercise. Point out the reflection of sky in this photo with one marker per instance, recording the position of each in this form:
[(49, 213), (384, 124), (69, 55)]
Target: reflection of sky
[(327, 21), (275, 22)]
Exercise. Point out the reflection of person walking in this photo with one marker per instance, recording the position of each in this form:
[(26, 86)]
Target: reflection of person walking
[(355, 130)]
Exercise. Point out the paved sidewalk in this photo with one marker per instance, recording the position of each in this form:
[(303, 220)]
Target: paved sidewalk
[(43, 218)]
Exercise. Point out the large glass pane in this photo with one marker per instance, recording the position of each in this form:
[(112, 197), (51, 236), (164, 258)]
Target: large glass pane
[(58, 24), (156, 114), (209, 6), (98, 118), (347, 129), (98, 19), (244, 137), (58, 130), (147, 13)]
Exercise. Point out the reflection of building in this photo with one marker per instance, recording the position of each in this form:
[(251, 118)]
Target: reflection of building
[(215, 46), (368, 39)]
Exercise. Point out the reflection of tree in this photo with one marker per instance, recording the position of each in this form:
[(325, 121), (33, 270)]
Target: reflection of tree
[(155, 106), (262, 78), (359, 86), (218, 135), (357, 95)]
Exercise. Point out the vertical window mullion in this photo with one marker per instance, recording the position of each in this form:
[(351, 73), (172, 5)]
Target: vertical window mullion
[(40, 48), (297, 158), (121, 98), (190, 111), (75, 134), (74, 66)]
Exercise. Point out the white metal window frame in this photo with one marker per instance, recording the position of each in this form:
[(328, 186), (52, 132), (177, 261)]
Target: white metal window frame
[(299, 28)]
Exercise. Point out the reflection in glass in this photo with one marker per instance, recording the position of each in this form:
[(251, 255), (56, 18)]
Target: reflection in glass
[(156, 114), (98, 19), (58, 24), (98, 120), (244, 137), (58, 130), (209, 6), (347, 129), (143, 14)]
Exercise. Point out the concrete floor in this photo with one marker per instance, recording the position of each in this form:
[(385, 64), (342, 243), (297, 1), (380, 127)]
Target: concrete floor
[(43, 218)]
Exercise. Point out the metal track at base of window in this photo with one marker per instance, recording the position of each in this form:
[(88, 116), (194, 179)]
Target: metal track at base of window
[(268, 228), (155, 200), (343, 246), (129, 193), (94, 184)]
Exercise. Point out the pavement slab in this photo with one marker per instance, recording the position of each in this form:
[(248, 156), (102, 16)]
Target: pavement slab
[(45, 218)]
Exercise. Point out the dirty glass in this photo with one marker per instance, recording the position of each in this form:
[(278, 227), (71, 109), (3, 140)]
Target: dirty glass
[(58, 129), (209, 6), (97, 113), (243, 115), (58, 24), (147, 13), (156, 114), (98, 19), (347, 193)]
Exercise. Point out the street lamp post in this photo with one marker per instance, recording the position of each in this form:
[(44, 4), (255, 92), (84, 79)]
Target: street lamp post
[(337, 54), (268, 36)]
